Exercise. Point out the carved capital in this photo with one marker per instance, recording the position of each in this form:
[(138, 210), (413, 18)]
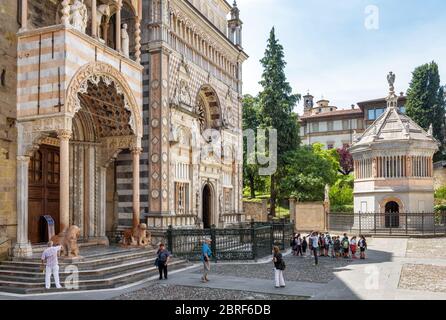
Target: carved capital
[(64, 134), (136, 151), (23, 159)]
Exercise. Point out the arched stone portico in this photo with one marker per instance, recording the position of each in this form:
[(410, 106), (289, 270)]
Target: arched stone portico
[(100, 118)]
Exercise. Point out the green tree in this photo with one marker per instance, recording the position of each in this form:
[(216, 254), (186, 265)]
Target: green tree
[(341, 194), (426, 101), (307, 172), (251, 120), (277, 103)]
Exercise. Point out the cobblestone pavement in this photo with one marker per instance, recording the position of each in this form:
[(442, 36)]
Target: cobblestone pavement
[(297, 269), (158, 291), (423, 277), (426, 248)]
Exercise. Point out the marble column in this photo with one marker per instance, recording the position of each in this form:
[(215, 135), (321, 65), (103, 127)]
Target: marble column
[(64, 137), (118, 26), (24, 15), (102, 200), (23, 247), (94, 22), (138, 40), (136, 152)]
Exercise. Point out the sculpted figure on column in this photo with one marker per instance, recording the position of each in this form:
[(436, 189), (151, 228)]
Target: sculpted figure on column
[(125, 41), (103, 10), (79, 15)]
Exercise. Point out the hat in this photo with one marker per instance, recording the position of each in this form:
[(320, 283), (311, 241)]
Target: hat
[(207, 239)]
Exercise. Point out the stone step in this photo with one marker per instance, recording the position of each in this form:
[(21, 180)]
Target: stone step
[(112, 281), (36, 274), (85, 261)]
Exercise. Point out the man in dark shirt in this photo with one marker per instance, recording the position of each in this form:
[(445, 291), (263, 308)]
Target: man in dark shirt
[(163, 260)]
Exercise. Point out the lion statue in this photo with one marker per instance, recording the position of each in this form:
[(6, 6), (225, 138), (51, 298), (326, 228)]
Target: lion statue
[(68, 241), (138, 236)]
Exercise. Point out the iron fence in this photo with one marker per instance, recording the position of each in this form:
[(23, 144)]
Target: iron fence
[(248, 241), (409, 224)]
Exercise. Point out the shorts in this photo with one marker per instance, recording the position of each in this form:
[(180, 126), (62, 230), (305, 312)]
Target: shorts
[(362, 249)]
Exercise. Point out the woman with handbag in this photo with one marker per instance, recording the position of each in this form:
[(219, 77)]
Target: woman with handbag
[(279, 266)]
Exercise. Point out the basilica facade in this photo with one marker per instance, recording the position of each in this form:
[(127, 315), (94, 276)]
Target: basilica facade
[(118, 112)]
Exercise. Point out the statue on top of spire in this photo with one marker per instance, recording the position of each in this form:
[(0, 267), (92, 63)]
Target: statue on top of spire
[(391, 80)]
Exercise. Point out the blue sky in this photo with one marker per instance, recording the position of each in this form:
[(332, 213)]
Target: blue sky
[(330, 52)]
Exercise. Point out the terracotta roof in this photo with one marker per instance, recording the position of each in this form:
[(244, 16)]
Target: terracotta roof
[(333, 114)]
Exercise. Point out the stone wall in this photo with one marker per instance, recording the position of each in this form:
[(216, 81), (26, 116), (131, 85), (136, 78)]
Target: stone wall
[(8, 146), (439, 177), (256, 210), (310, 216), (7, 202)]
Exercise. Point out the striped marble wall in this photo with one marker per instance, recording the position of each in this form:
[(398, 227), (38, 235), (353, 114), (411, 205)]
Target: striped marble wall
[(48, 58)]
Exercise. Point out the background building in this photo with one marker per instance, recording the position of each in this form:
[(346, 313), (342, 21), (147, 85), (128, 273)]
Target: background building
[(335, 128)]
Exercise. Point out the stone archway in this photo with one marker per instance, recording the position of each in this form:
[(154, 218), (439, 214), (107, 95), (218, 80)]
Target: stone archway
[(106, 143), (207, 204), (208, 108), (391, 207), (95, 73)]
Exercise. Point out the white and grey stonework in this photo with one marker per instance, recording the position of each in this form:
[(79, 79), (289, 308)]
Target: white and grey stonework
[(393, 164), (140, 124)]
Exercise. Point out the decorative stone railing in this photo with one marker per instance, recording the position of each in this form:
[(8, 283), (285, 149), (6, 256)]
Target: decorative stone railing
[(163, 222), (233, 218)]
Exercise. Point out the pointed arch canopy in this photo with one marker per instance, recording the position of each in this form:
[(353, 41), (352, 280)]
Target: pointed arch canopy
[(94, 73)]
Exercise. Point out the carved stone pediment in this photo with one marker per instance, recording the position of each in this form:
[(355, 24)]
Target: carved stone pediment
[(182, 93)]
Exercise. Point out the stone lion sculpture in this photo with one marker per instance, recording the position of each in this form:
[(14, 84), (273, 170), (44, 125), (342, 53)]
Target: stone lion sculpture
[(68, 241), (138, 236)]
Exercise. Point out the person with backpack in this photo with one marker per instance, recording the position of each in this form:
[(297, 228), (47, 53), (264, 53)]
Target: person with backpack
[(321, 245), (293, 244), (314, 241), (279, 266), (304, 246), (345, 243), (353, 246), (337, 246), (329, 246), (299, 245), (362, 244)]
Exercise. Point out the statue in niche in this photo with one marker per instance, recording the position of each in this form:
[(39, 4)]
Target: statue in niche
[(102, 10), (125, 40), (184, 95), (79, 15)]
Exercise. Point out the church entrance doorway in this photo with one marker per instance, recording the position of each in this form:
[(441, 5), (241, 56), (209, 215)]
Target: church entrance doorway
[(392, 215), (43, 190), (207, 206)]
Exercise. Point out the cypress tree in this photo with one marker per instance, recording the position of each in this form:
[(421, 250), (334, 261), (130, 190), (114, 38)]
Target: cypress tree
[(276, 108), (426, 101)]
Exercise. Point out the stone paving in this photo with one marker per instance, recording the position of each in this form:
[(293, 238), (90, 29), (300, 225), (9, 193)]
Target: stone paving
[(297, 269), (158, 291), (426, 248), (423, 277)]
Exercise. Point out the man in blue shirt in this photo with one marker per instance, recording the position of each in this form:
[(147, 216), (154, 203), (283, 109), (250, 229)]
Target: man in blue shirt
[(206, 255)]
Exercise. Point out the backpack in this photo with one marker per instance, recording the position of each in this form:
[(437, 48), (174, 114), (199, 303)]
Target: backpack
[(345, 244), (282, 265)]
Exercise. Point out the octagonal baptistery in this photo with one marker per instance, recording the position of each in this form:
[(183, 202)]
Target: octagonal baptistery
[(393, 161)]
